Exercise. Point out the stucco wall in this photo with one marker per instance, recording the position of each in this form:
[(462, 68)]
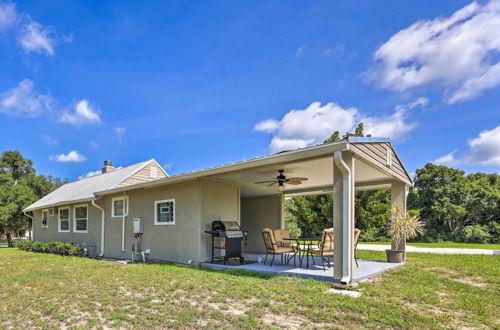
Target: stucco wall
[(258, 213), (50, 233), (176, 243), (219, 201)]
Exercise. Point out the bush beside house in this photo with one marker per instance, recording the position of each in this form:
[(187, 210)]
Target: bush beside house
[(61, 248)]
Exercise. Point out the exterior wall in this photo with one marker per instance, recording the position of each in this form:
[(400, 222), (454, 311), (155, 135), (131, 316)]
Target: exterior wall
[(143, 175), (220, 201), (178, 242), (92, 238), (376, 153), (258, 213)]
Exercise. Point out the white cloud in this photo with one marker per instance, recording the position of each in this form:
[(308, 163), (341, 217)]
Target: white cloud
[(448, 159), (484, 150), (301, 128), (268, 125), (457, 53), (23, 101), (35, 38), (72, 157), (168, 166), (84, 113), (8, 16), (119, 132), (90, 174), (49, 139)]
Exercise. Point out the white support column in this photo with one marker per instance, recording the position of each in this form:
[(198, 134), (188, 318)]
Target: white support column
[(343, 216), (399, 191)]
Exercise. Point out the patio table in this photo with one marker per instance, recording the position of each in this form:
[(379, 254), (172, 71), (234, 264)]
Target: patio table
[(299, 242)]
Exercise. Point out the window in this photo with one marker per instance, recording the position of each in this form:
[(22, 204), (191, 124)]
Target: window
[(45, 219), (388, 160), (154, 172), (165, 212), (80, 219), (53, 211), (63, 223), (120, 206)]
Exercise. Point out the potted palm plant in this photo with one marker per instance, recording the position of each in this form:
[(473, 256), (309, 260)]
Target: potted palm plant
[(402, 226)]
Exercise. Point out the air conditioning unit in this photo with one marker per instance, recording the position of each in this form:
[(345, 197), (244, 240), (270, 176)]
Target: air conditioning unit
[(138, 226)]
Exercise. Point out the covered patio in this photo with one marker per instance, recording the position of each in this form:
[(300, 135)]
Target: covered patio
[(341, 168)]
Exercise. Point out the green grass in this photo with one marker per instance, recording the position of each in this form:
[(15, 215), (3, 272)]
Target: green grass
[(431, 291), (447, 245)]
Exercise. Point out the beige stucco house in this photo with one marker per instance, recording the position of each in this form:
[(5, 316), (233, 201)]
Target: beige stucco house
[(175, 210)]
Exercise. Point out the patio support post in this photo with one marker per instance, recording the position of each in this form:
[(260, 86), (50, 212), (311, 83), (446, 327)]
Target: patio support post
[(343, 216), (398, 191)]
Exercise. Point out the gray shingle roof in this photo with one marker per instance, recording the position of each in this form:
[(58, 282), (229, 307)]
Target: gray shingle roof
[(84, 189)]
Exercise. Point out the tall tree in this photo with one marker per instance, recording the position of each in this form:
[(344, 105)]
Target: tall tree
[(19, 187)]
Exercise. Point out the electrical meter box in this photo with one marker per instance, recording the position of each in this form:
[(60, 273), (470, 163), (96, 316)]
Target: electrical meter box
[(138, 226)]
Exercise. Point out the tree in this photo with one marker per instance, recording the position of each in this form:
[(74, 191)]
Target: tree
[(19, 187), (314, 213)]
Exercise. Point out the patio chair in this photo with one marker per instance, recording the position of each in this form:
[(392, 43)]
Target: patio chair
[(272, 247), (324, 249)]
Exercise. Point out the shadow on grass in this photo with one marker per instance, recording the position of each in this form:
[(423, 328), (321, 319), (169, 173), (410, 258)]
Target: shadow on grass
[(237, 272)]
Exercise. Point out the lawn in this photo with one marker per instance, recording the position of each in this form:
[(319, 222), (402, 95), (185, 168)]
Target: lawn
[(447, 245), (41, 290)]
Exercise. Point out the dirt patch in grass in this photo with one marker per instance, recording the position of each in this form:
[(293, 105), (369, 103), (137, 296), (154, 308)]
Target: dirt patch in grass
[(473, 281)]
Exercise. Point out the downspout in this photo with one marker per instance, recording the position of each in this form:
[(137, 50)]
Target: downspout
[(123, 223), (346, 216), (103, 219), (32, 225)]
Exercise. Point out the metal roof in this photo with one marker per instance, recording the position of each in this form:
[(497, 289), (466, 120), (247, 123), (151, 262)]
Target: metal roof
[(83, 190)]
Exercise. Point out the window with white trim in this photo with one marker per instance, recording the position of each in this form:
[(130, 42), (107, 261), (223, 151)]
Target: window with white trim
[(119, 206), (165, 212), (45, 219), (154, 172), (63, 221), (80, 218)]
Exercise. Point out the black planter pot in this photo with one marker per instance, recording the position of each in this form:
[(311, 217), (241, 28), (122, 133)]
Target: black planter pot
[(395, 256)]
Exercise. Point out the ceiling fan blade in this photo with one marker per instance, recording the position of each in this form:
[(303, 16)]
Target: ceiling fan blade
[(264, 181), (272, 184), (297, 179), (294, 182)]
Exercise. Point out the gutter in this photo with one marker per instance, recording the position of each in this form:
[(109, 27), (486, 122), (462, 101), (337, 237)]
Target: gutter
[(32, 224), (103, 219), (346, 216)]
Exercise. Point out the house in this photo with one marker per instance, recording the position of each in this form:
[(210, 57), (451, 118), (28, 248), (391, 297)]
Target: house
[(176, 210)]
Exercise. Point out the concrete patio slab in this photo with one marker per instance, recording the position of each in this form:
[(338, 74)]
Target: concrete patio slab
[(366, 269)]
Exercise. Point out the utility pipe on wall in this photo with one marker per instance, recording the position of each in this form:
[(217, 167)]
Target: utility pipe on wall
[(123, 223), (103, 219), (346, 217)]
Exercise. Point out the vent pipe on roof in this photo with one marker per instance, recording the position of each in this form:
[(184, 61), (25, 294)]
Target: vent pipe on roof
[(108, 166)]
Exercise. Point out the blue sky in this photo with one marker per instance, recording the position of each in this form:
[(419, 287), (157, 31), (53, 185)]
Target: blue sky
[(201, 83)]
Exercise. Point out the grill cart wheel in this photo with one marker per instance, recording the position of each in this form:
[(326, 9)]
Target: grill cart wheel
[(242, 260)]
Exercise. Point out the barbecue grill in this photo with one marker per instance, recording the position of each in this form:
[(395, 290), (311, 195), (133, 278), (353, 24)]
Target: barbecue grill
[(230, 236)]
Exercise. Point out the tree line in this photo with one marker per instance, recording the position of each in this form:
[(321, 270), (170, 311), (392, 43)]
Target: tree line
[(20, 186), (454, 206)]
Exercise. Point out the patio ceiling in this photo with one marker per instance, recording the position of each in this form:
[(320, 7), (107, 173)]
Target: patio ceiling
[(319, 172)]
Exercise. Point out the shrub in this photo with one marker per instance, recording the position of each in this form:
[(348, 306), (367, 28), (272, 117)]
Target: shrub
[(494, 230), (61, 248), (474, 234)]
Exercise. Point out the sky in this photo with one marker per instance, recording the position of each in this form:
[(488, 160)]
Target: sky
[(196, 84)]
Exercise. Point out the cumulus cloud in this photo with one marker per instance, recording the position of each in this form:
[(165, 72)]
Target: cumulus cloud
[(8, 16), (312, 125), (49, 139), (90, 174), (35, 38), (84, 113), (483, 150), (448, 159), (24, 101), (456, 53), (71, 157)]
